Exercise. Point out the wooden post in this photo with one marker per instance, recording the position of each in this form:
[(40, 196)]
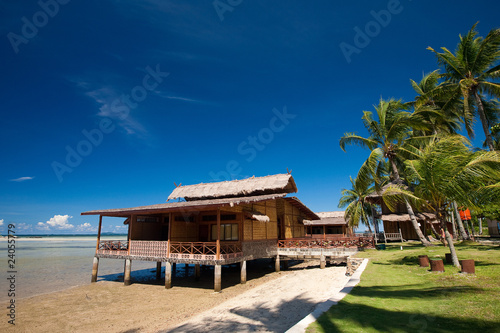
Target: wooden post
[(130, 223), (126, 275), (324, 232), (95, 266), (197, 272), (98, 234), (322, 261), (158, 270), (400, 235), (217, 256), (385, 237), (243, 275), (168, 275), (277, 263), (169, 229), (217, 278)]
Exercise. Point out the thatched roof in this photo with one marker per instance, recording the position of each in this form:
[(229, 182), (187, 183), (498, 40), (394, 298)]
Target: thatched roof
[(406, 218), (202, 205), (257, 216), (281, 183), (328, 218)]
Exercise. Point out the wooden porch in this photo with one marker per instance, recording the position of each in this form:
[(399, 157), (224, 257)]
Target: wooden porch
[(154, 250)]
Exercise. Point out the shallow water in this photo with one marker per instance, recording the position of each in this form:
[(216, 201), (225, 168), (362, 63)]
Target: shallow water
[(44, 266)]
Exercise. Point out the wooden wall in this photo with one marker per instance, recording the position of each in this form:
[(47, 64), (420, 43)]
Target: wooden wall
[(292, 221)]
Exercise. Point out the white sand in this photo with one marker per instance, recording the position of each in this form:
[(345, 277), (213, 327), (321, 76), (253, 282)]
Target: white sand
[(272, 307)]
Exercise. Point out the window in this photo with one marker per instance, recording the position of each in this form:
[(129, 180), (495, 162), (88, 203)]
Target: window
[(227, 231)]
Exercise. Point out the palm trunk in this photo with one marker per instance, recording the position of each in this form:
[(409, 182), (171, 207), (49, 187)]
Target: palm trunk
[(414, 222), (480, 219), (484, 121), (413, 219), (436, 233), (453, 224), (463, 234), (447, 235)]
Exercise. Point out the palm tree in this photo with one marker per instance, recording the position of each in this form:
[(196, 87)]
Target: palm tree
[(387, 139), (432, 109), (358, 209), (471, 72), (446, 171)]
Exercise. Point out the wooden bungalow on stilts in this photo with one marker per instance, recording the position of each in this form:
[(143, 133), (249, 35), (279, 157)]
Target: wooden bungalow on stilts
[(216, 224), (330, 224)]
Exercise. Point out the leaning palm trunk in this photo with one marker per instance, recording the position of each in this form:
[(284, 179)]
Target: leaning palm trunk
[(484, 121), (459, 222), (413, 219), (414, 222), (449, 239)]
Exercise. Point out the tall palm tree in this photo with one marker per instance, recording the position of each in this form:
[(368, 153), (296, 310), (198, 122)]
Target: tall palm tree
[(446, 171), (387, 139), (473, 70)]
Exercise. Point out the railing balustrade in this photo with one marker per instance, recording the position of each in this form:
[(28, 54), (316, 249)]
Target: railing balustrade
[(336, 242)]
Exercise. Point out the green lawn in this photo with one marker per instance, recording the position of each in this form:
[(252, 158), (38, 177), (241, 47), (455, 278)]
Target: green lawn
[(396, 295)]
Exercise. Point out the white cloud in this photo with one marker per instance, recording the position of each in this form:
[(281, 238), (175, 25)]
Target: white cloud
[(85, 227), (59, 222), (22, 179), (1, 222), (42, 226), (24, 227)]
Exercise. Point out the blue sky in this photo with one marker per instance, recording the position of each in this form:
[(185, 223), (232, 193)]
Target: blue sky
[(106, 104)]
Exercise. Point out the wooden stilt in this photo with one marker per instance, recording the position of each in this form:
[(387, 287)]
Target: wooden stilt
[(95, 266), (322, 262), (126, 276), (217, 278), (277, 263), (243, 267), (197, 272), (158, 270), (168, 275)]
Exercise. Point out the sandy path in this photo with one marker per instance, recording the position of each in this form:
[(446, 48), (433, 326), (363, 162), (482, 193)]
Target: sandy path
[(272, 307)]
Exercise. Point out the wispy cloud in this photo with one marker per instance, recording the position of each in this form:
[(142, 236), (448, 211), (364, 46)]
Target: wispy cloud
[(108, 96), (21, 179), (1, 222), (58, 222)]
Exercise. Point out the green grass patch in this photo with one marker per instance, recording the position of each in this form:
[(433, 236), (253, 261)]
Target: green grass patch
[(396, 295)]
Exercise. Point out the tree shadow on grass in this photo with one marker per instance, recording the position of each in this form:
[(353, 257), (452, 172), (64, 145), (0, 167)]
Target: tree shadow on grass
[(403, 292), (347, 317), (251, 318)]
